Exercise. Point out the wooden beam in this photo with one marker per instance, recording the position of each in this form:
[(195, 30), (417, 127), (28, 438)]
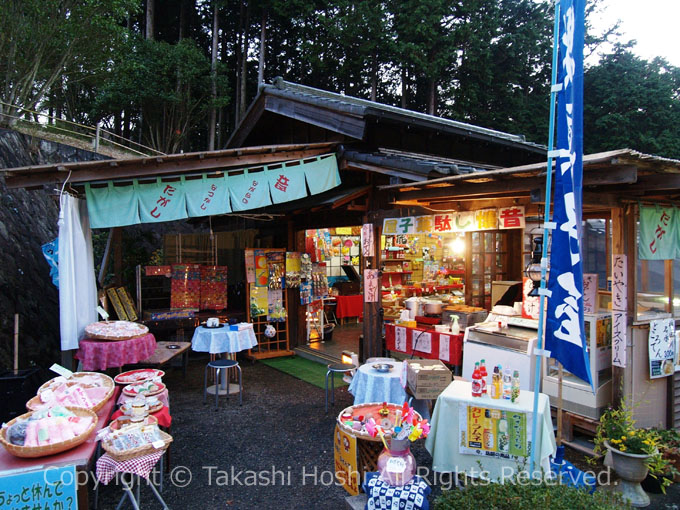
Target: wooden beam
[(350, 197), (589, 198), (166, 168)]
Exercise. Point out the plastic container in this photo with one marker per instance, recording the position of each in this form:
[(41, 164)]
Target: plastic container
[(397, 466)]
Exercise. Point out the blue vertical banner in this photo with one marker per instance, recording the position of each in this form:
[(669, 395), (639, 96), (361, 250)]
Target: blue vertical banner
[(565, 334)]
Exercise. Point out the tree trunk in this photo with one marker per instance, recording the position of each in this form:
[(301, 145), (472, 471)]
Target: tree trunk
[(150, 7), (374, 78), (432, 97), (263, 37), (404, 88), (213, 72), (182, 19), (244, 62)]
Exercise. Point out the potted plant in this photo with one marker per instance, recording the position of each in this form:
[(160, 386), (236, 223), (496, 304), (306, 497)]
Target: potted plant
[(670, 450), (635, 452)]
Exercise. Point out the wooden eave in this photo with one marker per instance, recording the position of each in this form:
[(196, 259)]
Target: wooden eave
[(609, 179), (160, 166)]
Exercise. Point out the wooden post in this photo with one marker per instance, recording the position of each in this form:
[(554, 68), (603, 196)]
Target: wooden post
[(16, 343), (118, 256), (372, 329)]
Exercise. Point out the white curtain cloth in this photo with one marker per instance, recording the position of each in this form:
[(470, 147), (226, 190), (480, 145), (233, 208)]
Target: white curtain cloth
[(77, 285)]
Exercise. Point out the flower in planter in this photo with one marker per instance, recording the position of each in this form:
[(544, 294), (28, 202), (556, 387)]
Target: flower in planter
[(617, 428)]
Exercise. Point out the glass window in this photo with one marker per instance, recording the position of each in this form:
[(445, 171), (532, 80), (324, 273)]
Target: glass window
[(595, 249), (652, 297)]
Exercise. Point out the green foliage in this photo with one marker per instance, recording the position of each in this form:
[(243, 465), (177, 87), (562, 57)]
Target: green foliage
[(169, 83), (43, 42), (522, 494), (634, 103)]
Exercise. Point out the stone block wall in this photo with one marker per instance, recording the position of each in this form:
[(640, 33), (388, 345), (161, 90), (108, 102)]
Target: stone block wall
[(28, 219)]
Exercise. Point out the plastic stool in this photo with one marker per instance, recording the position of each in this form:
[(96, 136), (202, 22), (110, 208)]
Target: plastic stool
[(219, 365), (332, 369)]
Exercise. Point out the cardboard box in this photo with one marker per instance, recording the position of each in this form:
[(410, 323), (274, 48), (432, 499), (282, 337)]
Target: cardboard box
[(427, 378)]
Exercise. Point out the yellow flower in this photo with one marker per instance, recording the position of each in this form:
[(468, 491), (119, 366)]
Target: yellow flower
[(623, 448), (623, 438), (632, 432)]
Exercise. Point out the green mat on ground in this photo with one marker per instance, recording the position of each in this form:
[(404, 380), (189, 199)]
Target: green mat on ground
[(304, 369)]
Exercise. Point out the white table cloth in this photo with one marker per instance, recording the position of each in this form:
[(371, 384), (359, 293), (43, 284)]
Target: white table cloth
[(444, 439), (369, 385), (220, 340)]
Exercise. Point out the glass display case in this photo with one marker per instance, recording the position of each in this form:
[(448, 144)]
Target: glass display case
[(577, 396)]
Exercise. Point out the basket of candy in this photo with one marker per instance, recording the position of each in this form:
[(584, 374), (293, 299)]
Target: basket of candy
[(134, 440), (48, 431)]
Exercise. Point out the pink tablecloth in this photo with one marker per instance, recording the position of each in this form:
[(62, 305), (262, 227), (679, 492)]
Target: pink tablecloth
[(103, 354), (350, 306)]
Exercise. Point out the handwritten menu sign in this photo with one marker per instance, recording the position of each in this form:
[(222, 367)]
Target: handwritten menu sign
[(367, 248), (53, 488), (400, 339), (619, 338), (589, 292), (620, 283), (661, 348), (422, 342), (371, 285), (444, 346)]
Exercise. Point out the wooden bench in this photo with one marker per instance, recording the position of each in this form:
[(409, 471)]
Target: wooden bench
[(163, 355)]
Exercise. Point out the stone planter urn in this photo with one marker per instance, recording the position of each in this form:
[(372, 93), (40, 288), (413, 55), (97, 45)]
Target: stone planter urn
[(631, 469)]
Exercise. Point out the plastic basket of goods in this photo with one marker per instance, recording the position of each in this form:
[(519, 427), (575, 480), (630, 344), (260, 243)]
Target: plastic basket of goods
[(48, 431), (364, 420), (89, 390), (147, 389), (115, 330), (138, 376), (134, 440)]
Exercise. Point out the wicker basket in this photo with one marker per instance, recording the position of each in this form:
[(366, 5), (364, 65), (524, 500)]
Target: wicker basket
[(358, 410), (35, 403), (106, 380), (146, 449), (90, 335), (50, 449)]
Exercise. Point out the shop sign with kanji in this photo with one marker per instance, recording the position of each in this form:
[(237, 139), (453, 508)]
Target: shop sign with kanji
[(658, 234), (51, 489), (464, 221)]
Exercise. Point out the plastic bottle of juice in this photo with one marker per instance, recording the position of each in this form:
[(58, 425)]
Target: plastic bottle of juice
[(476, 381), (484, 374), (514, 392), (495, 386), (507, 384)]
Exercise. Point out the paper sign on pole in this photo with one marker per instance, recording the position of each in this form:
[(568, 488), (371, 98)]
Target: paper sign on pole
[(661, 348), (620, 283), (371, 285), (590, 292), (367, 241), (619, 333), (346, 472)]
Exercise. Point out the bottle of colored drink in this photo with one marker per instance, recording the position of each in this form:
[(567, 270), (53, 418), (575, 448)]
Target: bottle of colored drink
[(484, 374), (476, 381), (507, 384), (495, 386), (514, 392)]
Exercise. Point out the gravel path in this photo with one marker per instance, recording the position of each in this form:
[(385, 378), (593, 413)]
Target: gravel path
[(280, 434), (281, 428)]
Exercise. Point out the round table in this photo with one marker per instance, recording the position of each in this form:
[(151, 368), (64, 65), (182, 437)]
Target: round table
[(103, 354), (219, 341), (369, 385)]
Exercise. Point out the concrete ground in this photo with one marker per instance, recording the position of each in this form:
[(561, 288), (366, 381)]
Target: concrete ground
[(274, 452)]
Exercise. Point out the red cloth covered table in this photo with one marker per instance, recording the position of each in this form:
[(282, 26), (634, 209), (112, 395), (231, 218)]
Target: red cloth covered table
[(103, 354), (455, 351), (163, 416), (350, 306)]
